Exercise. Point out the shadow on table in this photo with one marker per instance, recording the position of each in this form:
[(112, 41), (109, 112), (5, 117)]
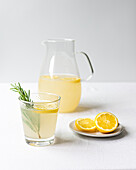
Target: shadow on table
[(120, 136), (59, 140), (86, 107)]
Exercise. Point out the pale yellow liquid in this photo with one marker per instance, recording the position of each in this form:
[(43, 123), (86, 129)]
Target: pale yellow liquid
[(39, 123), (66, 86)]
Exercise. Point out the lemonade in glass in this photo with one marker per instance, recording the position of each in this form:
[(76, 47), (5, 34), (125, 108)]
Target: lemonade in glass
[(39, 118)]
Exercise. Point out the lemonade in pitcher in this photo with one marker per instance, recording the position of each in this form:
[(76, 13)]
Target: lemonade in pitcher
[(59, 72), (66, 86)]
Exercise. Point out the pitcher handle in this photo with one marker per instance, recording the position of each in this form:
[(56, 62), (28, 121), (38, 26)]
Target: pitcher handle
[(90, 65)]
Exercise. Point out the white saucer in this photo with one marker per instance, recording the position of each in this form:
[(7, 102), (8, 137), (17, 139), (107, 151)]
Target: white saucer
[(96, 134)]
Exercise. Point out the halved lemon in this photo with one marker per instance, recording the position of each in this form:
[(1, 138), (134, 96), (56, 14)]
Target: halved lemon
[(85, 124), (106, 122)]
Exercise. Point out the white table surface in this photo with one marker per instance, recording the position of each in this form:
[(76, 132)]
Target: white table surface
[(71, 151)]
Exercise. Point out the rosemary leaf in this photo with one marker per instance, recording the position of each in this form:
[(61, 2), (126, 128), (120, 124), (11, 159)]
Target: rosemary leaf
[(23, 94)]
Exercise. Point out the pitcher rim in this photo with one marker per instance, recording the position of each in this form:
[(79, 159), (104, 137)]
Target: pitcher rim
[(59, 40)]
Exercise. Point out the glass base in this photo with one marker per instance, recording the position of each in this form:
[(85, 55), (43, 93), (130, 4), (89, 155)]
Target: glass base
[(39, 142)]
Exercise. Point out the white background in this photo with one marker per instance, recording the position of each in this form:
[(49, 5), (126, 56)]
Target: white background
[(104, 28)]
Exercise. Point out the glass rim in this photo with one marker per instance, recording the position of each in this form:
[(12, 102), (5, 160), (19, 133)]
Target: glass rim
[(59, 40), (41, 102)]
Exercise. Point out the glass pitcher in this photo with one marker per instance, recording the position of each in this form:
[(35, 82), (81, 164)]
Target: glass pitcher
[(59, 73)]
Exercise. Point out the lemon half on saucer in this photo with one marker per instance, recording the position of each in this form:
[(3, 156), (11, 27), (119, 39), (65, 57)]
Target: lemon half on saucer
[(96, 134)]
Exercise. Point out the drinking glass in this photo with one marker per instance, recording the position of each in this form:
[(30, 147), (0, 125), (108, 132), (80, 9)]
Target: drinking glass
[(39, 118)]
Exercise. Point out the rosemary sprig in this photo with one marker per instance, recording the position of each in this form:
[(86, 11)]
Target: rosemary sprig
[(23, 94), (29, 118)]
